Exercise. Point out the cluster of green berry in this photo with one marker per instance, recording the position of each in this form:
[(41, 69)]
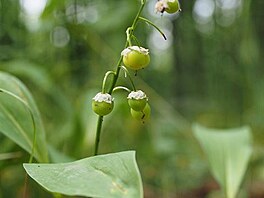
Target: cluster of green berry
[(135, 58), (103, 104)]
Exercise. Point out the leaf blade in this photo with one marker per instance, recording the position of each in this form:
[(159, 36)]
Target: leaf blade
[(17, 108), (228, 153), (111, 175)]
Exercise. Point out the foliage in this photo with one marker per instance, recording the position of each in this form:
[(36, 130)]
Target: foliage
[(111, 175), (208, 71), (228, 153), (20, 118)]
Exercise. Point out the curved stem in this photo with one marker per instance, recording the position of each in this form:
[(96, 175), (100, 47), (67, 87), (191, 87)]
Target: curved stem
[(129, 35), (121, 88), (113, 84), (136, 40), (105, 78), (156, 27), (117, 72), (129, 77)]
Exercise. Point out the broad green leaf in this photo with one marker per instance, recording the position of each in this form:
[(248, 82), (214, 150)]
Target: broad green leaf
[(113, 175), (16, 119), (228, 152)]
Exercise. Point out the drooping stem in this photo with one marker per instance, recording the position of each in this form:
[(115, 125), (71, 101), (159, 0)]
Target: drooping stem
[(105, 78), (129, 35), (121, 88), (156, 27), (116, 74)]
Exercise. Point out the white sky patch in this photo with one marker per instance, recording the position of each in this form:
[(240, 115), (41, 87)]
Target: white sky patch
[(32, 9), (228, 11), (203, 10)]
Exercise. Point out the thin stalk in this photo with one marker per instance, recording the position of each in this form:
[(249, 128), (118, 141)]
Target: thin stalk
[(105, 78), (136, 40), (113, 84), (121, 88), (117, 72), (129, 35), (98, 133), (129, 77), (138, 14), (156, 27)]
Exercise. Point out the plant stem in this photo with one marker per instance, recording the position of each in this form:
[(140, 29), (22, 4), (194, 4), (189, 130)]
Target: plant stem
[(98, 133), (128, 35), (156, 27), (105, 78), (129, 77), (117, 72), (116, 75), (121, 88)]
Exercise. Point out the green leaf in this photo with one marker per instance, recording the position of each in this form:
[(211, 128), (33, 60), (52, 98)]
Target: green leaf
[(228, 152), (106, 176), (17, 109)]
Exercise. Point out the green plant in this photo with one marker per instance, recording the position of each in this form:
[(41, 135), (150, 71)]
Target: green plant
[(110, 175), (135, 58)]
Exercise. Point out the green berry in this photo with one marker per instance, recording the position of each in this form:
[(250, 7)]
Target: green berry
[(143, 115), (137, 105), (169, 6), (135, 57), (173, 6), (102, 104), (137, 100)]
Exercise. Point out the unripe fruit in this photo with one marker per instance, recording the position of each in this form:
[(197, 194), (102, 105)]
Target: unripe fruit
[(169, 6), (143, 115), (135, 57), (173, 6), (137, 100), (102, 104)]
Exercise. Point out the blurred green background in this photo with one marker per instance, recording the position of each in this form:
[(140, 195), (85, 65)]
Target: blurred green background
[(210, 70)]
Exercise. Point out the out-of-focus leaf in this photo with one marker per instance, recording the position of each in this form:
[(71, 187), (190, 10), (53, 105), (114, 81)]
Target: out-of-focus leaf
[(57, 156), (26, 69), (228, 152), (5, 156), (111, 175), (15, 119)]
